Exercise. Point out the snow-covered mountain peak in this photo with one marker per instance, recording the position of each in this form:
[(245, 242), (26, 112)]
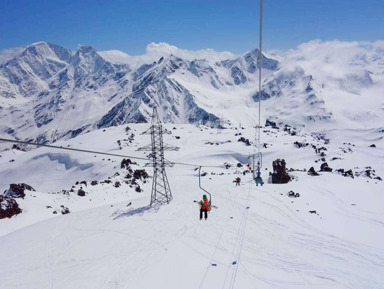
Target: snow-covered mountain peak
[(170, 64), (90, 89), (88, 62), (45, 50), (86, 55), (29, 72)]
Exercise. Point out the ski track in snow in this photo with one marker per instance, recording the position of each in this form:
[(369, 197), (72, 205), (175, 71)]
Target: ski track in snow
[(258, 237)]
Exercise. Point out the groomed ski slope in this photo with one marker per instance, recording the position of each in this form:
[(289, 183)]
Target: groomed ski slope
[(258, 237)]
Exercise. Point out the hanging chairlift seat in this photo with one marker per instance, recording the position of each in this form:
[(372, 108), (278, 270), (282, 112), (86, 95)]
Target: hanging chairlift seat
[(210, 197)]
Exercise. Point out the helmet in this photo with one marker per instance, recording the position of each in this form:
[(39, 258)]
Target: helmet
[(204, 196)]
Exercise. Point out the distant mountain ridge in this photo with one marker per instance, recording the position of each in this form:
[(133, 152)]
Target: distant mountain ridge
[(48, 92)]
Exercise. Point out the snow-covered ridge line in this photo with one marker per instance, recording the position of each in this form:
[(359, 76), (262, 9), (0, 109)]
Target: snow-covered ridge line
[(48, 92)]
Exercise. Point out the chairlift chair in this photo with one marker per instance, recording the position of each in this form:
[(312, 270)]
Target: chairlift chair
[(210, 197), (256, 169)]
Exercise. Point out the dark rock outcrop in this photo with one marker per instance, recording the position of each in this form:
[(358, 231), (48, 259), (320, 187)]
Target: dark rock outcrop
[(280, 175), (292, 194), (325, 168), (8, 207), (64, 210), (292, 131), (83, 183), (81, 192), (300, 145), (227, 165), (17, 190), (345, 173), (125, 163), (312, 172), (139, 174), (271, 124), (244, 140)]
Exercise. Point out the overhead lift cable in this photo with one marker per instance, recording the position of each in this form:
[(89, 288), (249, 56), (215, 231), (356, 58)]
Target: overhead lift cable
[(99, 153), (258, 179), (70, 149)]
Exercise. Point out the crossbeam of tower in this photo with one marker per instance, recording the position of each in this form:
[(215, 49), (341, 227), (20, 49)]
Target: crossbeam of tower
[(161, 191)]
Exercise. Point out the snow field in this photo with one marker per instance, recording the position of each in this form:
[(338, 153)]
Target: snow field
[(276, 242)]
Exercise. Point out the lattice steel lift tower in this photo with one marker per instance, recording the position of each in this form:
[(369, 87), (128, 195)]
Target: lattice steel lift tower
[(161, 191)]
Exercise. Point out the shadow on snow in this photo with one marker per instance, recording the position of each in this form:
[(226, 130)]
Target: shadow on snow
[(132, 212)]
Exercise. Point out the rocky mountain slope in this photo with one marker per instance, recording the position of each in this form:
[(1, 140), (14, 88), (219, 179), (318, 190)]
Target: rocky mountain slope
[(48, 92), (316, 231)]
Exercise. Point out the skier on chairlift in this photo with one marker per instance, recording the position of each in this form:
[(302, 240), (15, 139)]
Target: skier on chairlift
[(258, 179), (205, 206)]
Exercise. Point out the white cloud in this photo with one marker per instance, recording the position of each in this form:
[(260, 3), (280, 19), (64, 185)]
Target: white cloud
[(161, 49), (116, 56), (164, 49), (154, 51), (335, 59), (7, 54)]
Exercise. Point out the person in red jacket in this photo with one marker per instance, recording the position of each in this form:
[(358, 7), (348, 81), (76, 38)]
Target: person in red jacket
[(237, 181), (205, 206)]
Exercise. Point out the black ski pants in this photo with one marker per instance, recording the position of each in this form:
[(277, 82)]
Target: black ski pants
[(205, 213)]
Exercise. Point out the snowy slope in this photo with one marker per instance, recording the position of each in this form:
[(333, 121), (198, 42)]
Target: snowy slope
[(345, 86), (273, 239), (48, 93)]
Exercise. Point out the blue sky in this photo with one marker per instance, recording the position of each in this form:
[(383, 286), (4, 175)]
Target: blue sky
[(195, 24)]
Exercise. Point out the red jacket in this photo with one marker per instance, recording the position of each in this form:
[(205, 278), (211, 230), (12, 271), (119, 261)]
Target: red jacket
[(205, 204)]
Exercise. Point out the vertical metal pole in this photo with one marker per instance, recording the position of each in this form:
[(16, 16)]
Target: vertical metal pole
[(253, 166), (260, 65)]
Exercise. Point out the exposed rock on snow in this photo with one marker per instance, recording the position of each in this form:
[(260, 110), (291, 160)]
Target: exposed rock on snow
[(244, 140), (346, 173), (292, 194), (280, 175), (312, 172), (81, 192), (17, 190), (140, 174), (300, 145), (8, 207), (325, 168), (271, 124), (64, 210)]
